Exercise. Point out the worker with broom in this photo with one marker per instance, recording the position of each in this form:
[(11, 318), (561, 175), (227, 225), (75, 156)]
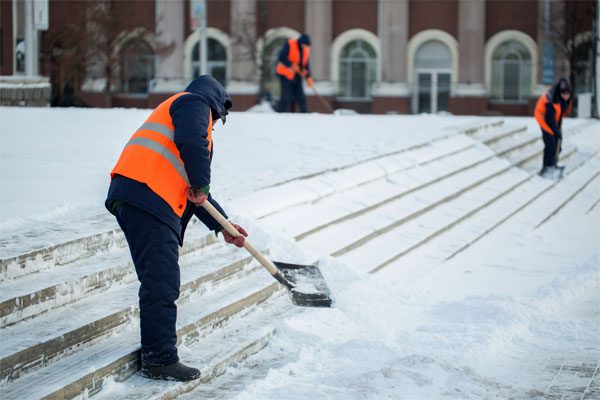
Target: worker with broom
[(292, 66), (161, 179)]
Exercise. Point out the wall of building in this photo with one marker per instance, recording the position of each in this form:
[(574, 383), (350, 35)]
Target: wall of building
[(433, 14), (352, 14), (6, 38)]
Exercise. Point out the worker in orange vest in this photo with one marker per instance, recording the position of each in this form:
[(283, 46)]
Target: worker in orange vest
[(550, 109), (160, 180), (292, 66)]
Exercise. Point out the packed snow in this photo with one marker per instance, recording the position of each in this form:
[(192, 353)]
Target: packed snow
[(508, 317)]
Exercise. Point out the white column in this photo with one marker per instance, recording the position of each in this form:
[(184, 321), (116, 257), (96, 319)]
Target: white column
[(169, 32), (471, 42), (318, 16), (31, 62), (243, 33), (394, 39)]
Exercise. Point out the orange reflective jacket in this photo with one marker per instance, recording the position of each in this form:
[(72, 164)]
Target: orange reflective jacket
[(540, 112), (151, 157), (294, 58)]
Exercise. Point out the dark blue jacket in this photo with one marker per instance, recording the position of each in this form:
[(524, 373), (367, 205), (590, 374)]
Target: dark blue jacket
[(554, 96), (190, 117)]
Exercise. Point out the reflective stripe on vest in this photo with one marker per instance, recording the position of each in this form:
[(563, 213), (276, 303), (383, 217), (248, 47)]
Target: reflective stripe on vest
[(151, 157), (294, 58)]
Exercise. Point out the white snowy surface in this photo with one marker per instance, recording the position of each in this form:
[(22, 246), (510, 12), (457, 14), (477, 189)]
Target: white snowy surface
[(490, 322)]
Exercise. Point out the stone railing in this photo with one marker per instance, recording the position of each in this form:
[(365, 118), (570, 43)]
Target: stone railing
[(31, 91)]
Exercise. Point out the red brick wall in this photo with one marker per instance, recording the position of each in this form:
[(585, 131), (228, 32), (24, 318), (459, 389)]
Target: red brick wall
[(520, 15), (381, 105), (351, 14), (468, 105), (433, 14), (279, 13), (218, 14), (6, 31)]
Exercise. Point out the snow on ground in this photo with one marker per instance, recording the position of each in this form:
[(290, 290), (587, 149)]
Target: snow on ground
[(504, 319), (56, 161)]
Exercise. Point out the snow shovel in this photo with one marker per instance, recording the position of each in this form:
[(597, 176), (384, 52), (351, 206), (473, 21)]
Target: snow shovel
[(305, 283)]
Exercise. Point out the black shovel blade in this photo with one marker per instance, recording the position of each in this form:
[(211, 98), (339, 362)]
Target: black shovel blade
[(310, 289)]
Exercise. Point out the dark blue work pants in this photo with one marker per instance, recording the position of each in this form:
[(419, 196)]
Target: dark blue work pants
[(154, 249), (552, 148), (291, 91)]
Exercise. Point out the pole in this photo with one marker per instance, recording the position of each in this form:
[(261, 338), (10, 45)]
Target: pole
[(29, 38), (203, 40)]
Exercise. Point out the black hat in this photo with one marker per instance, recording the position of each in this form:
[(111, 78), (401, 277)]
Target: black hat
[(304, 39)]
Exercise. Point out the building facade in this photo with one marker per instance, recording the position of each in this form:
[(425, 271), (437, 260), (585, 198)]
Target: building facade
[(374, 56)]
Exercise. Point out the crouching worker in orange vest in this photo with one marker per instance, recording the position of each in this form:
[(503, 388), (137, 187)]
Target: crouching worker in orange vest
[(292, 66), (550, 109), (161, 179)]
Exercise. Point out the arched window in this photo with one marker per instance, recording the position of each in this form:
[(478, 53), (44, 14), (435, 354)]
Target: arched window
[(511, 72), (433, 72), (137, 67), (270, 54), (216, 62), (357, 70)]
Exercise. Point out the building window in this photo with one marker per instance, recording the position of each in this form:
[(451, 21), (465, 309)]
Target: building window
[(357, 70), (433, 70), (216, 62), (137, 67), (511, 72), (270, 57)]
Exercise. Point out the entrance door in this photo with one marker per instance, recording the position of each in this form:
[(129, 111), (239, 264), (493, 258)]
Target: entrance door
[(433, 91)]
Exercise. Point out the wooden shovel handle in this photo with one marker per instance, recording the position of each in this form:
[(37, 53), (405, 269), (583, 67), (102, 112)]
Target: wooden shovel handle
[(265, 262)]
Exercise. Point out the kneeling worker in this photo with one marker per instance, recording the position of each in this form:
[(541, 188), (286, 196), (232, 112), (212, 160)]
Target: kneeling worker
[(160, 180)]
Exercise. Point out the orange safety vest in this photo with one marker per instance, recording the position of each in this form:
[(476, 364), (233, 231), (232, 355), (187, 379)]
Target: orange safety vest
[(294, 58), (151, 157), (540, 113)]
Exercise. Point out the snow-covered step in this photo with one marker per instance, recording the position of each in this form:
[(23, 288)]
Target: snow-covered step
[(358, 200), (505, 146), (116, 356), (33, 294), (309, 189), (479, 125), (212, 354), (57, 333), (491, 136), (508, 209), (350, 234), (389, 246)]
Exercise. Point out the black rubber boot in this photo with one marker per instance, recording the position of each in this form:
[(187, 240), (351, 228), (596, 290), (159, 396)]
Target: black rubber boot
[(173, 372)]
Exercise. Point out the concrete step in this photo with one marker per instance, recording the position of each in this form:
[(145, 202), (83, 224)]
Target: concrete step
[(33, 294), (39, 341), (353, 202), (312, 188), (116, 356), (214, 354), (352, 233), (491, 136), (508, 217), (388, 247)]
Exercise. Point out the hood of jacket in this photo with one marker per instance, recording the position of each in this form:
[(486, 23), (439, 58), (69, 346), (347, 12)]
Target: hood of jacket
[(554, 92), (214, 93)]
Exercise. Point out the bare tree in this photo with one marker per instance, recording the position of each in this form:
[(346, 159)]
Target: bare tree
[(569, 26)]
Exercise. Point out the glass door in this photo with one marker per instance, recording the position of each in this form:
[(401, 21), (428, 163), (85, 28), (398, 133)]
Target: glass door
[(433, 91), (424, 92)]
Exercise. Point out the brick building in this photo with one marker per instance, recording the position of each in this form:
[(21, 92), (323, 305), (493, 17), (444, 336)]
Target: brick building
[(374, 56)]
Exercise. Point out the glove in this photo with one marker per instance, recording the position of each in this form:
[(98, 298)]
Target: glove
[(310, 81), (198, 195), (239, 240), (296, 68)]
